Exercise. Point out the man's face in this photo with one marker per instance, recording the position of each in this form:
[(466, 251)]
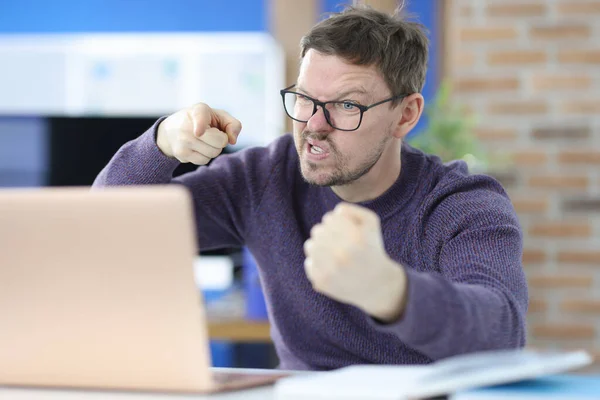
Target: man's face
[(331, 157)]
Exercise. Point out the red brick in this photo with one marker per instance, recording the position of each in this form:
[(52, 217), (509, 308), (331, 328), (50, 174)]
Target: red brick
[(581, 306), (579, 157), (562, 132), (495, 134), (542, 82), (516, 57), (570, 7), (486, 84), (530, 205), (579, 257), (581, 107), (537, 306), (488, 33), (579, 182), (560, 32), (560, 281), (533, 256), (561, 229), (563, 331), (579, 56), (519, 107), (581, 204), (532, 157), (516, 9)]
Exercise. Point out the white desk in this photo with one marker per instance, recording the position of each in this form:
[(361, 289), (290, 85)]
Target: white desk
[(260, 393)]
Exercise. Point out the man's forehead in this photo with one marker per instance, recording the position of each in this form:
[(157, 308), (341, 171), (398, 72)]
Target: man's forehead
[(328, 75)]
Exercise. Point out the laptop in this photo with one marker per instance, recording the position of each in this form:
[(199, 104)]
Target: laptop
[(97, 291)]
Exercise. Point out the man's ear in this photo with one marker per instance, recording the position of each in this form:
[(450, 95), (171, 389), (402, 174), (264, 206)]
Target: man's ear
[(412, 108)]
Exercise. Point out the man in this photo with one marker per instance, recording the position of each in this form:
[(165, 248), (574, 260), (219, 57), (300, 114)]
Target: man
[(369, 250)]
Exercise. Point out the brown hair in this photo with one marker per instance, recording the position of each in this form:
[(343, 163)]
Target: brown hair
[(364, 36)]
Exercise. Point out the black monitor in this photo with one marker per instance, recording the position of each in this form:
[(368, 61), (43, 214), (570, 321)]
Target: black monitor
[(79, 147)]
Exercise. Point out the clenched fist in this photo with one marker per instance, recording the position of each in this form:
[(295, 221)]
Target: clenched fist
[(197, 134), (346, 260)]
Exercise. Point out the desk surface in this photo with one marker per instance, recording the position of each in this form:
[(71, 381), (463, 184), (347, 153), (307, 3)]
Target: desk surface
[(262, 393), (239, 330)]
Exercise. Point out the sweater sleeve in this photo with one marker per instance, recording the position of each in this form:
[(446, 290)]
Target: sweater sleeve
[(479, 300), (225, 193)]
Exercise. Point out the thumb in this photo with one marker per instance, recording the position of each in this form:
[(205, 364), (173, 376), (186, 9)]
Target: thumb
[(359, 215), (228, 124)]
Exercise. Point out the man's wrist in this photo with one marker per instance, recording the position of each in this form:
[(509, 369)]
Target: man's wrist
[(161, 142), (391, 300)]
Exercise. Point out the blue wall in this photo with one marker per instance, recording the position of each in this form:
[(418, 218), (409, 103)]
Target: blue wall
[(43, 16)]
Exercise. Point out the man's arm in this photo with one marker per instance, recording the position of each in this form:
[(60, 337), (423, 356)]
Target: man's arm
[(224, 192), (196, 134), (479, 301)]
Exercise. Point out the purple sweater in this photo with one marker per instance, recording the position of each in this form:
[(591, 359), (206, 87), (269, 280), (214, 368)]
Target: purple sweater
[(456, 234)]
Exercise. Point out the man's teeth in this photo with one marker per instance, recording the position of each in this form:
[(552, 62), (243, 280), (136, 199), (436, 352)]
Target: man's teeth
[(316, 150)]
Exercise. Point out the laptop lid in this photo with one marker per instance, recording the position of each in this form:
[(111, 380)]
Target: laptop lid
[(97, 290)]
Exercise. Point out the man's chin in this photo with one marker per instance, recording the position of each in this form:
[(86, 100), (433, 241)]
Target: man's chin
[(315, 177)]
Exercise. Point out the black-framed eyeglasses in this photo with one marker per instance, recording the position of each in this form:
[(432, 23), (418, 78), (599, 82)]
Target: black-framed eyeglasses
[(341, 115)]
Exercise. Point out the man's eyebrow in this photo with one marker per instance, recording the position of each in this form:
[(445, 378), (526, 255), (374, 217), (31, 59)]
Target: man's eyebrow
[(357, 90), (340, 95)]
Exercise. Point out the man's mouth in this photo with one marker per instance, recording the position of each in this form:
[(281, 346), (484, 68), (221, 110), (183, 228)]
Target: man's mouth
[(316, 149), (318, 146)]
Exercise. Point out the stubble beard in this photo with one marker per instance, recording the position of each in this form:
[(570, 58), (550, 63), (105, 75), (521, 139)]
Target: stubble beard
[(341, 175)]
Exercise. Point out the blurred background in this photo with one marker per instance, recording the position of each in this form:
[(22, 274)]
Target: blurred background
[(512, 89)]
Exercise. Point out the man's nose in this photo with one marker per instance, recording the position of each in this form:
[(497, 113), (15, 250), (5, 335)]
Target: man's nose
[(318, 122)]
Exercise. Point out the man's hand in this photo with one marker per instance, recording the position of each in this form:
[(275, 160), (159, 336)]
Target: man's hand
[(197, 134), (346, 260)]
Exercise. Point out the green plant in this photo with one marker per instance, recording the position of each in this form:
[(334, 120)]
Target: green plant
[(449, 133)]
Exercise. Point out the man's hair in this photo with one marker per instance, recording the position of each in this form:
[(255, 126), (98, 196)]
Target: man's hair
[(364, 36)]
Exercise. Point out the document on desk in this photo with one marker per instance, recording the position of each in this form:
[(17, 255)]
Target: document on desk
[(355, 382), (444, 377)]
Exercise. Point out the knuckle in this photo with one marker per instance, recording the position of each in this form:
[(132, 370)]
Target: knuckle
[(308, 245), (215, 152), (327, 218), (316, 230), (342, 208), (200, 113), (223, 139), (203, 160), (200, 109), (308, 263)]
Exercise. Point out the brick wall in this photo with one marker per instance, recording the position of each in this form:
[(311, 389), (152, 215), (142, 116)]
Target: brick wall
[(530, 71)]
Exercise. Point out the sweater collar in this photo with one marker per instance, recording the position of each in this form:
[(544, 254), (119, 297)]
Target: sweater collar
[(401, 191)]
